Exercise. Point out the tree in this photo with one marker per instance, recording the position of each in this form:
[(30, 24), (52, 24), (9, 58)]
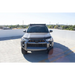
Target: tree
[(56, 26), (17, 25), (74, 26)]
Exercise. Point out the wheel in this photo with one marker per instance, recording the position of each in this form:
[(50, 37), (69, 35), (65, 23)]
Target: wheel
[(23, 51), (49, 50)]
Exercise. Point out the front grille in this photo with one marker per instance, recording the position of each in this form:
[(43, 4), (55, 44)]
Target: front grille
[(36, 45), (36, 40)]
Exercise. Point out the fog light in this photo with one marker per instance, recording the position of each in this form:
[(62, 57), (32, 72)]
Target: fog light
[(50, 45), (22, 44)]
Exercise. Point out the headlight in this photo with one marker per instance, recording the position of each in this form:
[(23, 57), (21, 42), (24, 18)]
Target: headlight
[(50, 39), (23, 39)]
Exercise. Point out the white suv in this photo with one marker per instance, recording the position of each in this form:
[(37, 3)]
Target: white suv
[(36, 38)]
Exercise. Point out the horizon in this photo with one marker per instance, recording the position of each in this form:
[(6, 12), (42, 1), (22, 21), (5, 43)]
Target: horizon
[(37, 18), (38, 23)]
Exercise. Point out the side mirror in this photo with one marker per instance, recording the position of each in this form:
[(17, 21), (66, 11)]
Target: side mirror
[(51, 30), (24, 31)]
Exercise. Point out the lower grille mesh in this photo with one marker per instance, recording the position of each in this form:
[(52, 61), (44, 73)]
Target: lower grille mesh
[(36, 45)]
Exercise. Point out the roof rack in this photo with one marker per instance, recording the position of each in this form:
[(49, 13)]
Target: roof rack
[(36, 24)]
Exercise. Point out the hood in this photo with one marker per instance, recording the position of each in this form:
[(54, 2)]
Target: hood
[(36, 35)]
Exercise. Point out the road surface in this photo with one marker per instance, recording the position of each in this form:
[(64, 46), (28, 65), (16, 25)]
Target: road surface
[(10, 51)]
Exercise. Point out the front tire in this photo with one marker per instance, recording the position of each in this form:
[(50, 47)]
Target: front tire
[(23, 51), (49, 50)]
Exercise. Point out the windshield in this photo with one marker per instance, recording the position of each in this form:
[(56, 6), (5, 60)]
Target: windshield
[(36, 29)]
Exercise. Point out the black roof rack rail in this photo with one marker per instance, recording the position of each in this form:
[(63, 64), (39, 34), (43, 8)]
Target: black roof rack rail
[(37, 24)]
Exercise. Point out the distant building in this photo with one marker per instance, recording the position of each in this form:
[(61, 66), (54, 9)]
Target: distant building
[(74, 29), (59, 27), (5, 28)]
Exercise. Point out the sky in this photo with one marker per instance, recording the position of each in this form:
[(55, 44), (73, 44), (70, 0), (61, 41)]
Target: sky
[(27, 18)]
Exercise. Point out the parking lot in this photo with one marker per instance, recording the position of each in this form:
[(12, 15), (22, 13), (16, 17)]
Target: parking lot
[(10, 51)]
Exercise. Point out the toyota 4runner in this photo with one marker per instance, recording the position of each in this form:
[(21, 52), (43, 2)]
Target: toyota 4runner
[(36, 38)]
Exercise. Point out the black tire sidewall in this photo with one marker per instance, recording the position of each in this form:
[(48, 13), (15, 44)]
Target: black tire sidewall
[(23, 51)]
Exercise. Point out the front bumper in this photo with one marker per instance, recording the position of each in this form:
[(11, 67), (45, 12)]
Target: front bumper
[(25, 47)]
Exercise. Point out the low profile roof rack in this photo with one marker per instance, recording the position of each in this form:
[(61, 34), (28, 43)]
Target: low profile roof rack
[(37, 24)]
